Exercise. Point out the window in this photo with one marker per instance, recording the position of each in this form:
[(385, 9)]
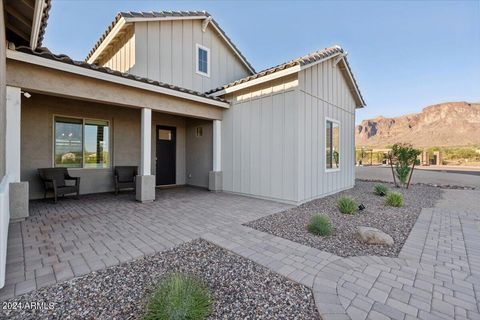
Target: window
[(203, 60), (81, 143), (332, 144), (164, 134)]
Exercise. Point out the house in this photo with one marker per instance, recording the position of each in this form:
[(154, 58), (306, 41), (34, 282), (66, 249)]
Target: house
[(171, 93)]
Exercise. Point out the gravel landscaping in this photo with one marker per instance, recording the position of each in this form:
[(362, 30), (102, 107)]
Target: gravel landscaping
[(241, 289), (397, 222)]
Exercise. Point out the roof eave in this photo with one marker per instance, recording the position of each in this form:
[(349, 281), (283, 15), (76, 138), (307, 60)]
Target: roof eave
[(96, 52), (269, 77), (37, 23), (75, 69), (358, 95), (257, 81), (104, 44)]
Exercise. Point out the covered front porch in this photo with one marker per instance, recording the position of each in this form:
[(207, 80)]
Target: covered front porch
[(62, 115), (91, 139)]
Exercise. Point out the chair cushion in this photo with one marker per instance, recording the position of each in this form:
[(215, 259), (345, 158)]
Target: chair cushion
[(130, 184), (67, 190)]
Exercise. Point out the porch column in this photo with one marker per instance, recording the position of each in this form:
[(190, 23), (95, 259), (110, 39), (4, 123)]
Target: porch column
[(215, 177), (145, 182), (18, 191)]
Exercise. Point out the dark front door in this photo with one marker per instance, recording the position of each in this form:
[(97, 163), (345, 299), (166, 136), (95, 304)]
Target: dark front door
[(166, 147)]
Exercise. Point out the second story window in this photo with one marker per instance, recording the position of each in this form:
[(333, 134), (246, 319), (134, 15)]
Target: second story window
[(203, 60)]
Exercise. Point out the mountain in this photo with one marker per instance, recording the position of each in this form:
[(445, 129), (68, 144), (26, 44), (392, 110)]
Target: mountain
[(442, 125)]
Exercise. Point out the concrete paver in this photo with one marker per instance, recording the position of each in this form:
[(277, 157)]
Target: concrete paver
[(436, 276)]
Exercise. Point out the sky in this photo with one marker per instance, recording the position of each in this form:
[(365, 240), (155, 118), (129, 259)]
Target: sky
[(405, 55)]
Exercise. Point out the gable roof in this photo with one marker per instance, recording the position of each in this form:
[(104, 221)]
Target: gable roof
[(166, 15), (293, 66), (46, 54)]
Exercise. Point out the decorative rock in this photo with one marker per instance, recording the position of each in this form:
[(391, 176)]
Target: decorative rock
[(374, 236), (240, 288)]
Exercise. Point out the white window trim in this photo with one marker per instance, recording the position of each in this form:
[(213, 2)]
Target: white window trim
[(339, 142), (199, 46), (110, 165)]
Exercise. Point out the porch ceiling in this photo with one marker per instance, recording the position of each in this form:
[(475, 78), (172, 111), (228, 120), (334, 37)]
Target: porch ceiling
[(43, 79)]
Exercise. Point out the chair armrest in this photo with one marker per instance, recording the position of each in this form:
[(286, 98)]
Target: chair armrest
[(77, 179), (67, 176)]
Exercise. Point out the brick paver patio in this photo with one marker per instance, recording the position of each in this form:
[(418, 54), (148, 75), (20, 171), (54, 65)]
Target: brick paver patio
[(74, 237), (437, 275)]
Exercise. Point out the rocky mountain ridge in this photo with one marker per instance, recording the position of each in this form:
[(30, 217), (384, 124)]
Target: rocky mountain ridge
[(441, 125)]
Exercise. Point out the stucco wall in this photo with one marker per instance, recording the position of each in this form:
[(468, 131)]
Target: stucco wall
[(200, 152), (37, 142), (49, 81), (2, 91), (37, 139)]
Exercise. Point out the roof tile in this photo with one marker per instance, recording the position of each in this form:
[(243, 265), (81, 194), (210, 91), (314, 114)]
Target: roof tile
[(45, 53), (302, 61)]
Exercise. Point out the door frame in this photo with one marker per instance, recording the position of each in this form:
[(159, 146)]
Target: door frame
[(174, 138)]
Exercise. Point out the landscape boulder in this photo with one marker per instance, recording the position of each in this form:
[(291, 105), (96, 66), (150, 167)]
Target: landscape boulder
[(374, 236)]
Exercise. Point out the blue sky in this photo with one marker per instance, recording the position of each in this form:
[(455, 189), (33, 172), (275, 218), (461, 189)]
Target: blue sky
[(405, 54)]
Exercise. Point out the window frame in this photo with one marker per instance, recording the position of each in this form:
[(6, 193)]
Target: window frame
[(327, 119), (110, 139), (197, 69)]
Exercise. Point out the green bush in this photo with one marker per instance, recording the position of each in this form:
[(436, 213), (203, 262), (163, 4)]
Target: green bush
[(320, 225), (178, 297), (394, 199), (347, 205), (380, 190)]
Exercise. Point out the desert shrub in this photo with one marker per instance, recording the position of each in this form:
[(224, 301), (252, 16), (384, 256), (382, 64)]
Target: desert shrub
[(403, 156), (394, 199), (380, 190), (178, 297), (320, 225), (347, 205)]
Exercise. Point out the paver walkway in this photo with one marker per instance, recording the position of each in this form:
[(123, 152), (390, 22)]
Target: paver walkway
[(437, 275)]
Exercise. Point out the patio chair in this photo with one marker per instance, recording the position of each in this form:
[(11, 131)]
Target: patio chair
[(124, 177), (54, 180)]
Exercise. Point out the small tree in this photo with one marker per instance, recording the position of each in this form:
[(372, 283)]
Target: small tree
[(403, 156), (362, 155)]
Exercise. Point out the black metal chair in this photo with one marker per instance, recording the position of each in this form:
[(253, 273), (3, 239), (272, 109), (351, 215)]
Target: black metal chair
[(54, 180), (125, 177)]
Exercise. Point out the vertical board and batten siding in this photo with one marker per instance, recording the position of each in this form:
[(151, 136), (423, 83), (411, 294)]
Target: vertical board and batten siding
[(121, 56), (273, 139), (324, 93), (259, 141), (166, 51)]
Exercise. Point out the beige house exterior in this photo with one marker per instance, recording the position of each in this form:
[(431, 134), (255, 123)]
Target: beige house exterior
[(169, 92)]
